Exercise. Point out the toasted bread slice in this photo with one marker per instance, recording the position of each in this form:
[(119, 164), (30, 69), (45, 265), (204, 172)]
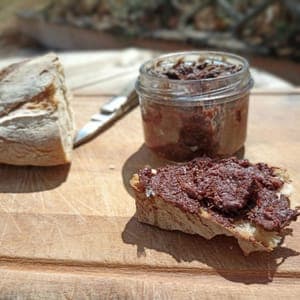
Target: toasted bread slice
[(154, 209)]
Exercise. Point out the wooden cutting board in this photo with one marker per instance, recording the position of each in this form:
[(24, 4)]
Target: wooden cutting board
[(70, 231)]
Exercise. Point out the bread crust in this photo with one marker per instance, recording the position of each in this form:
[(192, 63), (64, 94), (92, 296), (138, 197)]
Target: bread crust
[(36, 121), (156, 211)]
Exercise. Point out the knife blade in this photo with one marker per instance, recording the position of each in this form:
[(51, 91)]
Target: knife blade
[(116, 107)]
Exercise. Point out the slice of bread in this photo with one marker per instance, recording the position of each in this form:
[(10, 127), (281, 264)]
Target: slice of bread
[(36, 120), (157, 210)]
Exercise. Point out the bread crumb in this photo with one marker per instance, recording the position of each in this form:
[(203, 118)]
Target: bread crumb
[(111, 167)]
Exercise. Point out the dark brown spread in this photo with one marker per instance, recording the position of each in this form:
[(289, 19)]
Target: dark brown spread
[(181, 133), (230, 189), (183, 70)]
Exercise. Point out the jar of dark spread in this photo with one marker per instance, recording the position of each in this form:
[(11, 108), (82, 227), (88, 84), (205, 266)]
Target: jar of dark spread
[(194, 104)]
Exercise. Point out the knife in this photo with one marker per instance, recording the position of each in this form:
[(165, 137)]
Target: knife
[(116, 107)]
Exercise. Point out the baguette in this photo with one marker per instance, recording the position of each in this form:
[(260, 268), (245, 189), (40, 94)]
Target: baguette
[(36, 120), (155, 206)]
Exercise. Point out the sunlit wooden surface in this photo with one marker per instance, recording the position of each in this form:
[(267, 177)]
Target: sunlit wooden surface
[(70, 231)]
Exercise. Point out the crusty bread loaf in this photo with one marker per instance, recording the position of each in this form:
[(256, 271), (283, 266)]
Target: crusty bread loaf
[(36, 121), (155, 210)]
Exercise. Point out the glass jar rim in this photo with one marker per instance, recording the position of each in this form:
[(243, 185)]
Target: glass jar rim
[(245, 65), (177, 90)]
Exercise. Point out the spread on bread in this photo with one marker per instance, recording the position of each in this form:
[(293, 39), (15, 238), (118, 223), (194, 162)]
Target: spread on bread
[(230, 194)]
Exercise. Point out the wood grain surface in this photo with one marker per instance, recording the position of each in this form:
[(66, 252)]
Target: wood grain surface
[(70, 231)]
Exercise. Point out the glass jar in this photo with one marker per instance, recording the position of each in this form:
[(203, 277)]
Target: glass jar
[(184, 119)]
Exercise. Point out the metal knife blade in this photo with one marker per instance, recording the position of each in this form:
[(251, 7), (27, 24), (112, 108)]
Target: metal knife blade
[(109, 112)]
